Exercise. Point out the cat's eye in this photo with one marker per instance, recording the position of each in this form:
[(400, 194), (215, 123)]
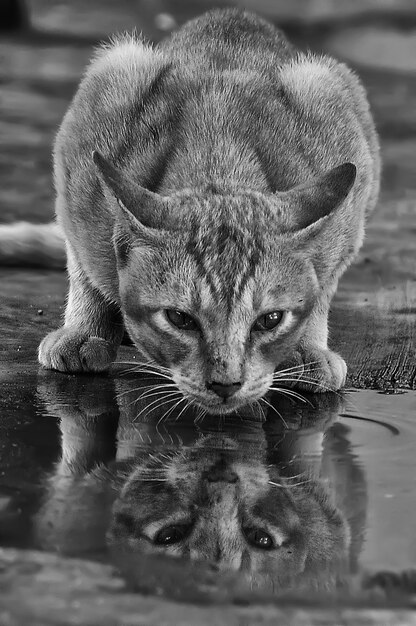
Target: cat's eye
[(258, 538), (172, 534), (181, 320), (268, 321)]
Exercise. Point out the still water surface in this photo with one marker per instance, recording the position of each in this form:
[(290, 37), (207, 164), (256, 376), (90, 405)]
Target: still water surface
[(295, 496)]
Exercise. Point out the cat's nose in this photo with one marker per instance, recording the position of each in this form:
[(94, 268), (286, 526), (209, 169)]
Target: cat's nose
[(224, 391)]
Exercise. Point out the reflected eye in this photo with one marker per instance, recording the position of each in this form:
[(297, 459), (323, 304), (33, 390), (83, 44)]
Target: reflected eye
[(181, 320), (268, 321), (259, 538), (172, 534)]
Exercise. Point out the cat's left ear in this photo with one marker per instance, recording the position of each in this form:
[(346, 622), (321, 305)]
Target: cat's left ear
[(317, 198), (317, 223)]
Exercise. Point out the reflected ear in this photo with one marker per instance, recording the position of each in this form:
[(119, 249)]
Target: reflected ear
[(137, 203), (307, 203)]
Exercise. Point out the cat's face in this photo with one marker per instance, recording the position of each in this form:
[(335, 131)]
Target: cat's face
[(218, 302), (233, 511), (216, 288)]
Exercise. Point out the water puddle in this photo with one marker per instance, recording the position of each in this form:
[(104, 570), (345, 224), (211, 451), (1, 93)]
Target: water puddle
[(300, 498)]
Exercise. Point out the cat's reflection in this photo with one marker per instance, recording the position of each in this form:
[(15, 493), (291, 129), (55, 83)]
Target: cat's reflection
[(248, 495)]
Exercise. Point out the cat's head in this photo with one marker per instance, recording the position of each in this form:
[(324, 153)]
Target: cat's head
[(217, 287), (233, 510)]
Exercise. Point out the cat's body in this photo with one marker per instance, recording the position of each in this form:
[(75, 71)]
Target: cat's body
[(238, 138)]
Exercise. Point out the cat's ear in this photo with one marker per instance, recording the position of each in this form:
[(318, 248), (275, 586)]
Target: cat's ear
[(140, 207), (309, 202), (317, 229)]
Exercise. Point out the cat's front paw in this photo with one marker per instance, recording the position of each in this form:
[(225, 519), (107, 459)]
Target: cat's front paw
[(312, 369), (69, 350)]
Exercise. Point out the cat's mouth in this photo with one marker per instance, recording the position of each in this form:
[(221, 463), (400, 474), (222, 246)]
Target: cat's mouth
[(214, 404), (222, 407)]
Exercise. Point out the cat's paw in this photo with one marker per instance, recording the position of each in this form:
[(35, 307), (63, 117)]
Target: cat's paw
[(68, 350), (312, 369)]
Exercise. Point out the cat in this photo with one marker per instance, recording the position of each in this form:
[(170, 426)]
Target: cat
[(211, 191), (278, 507)]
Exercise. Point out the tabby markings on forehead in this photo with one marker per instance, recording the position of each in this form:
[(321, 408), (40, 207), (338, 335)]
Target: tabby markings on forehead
[(227, 251)]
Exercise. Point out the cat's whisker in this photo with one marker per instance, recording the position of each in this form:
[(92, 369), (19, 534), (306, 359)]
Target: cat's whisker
[(135, 390), (302, 370), (288, 392), (302, 482), (166, 456), (314, 382), (135, 363), (154, 373), (201, 415), (163, 397), (148, 363), (280, 375), (257, 403), (156, 389), (157, 365), (309, 381), (149, 387), (161, 392), (295, 476), (187, 405), (173, 408), (171, 398), (275, 484), (294, 376), (139, 375), (300, 366), (293, 394), (148, 369), (153, 457), (275, 410)]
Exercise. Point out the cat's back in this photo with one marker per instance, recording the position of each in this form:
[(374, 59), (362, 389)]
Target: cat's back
[(131, 86), (224, 39), (227, 82)]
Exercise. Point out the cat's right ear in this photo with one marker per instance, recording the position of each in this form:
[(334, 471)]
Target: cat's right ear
[(142, 209), (317, 220), (319, 197)]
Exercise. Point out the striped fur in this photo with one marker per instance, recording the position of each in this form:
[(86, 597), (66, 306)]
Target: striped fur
[(249, 150)]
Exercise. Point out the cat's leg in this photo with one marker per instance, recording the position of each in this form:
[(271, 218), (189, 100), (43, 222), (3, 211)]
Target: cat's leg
[(318, 368), (92, 332)]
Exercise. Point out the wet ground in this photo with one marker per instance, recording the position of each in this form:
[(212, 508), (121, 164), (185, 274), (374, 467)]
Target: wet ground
[(98, 493)]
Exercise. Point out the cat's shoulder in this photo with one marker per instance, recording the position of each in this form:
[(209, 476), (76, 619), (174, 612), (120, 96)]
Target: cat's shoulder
[(120, 76), (122, 69), (317, 85), (311, 77)]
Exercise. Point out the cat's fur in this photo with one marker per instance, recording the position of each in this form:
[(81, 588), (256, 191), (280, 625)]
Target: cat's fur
[(232, 178)]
